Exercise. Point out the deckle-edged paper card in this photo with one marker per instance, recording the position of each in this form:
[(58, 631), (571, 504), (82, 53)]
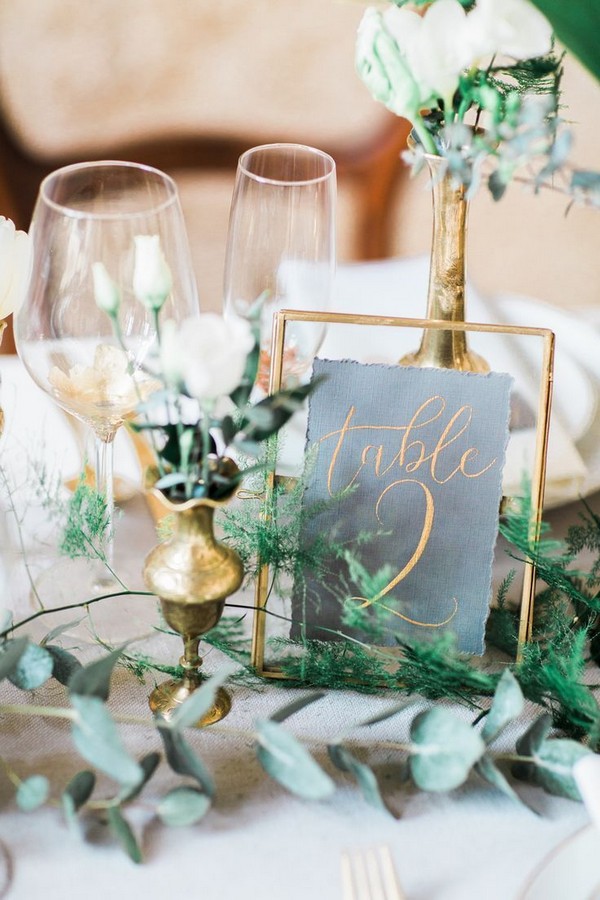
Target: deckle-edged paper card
[(422, 451)]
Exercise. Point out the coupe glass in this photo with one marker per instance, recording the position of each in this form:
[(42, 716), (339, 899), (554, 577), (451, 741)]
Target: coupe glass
[(281, 244), (85, 214)]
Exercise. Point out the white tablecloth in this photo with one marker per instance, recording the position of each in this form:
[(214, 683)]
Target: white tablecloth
[(257, 841)]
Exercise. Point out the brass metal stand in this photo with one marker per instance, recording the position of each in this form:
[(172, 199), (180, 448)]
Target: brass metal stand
[(446, 291)]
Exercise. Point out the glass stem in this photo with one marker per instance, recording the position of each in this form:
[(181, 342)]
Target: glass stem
[(104, 485)]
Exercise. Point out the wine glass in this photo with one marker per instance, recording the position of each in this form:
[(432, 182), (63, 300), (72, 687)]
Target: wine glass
[(281, 244), (86, 214)]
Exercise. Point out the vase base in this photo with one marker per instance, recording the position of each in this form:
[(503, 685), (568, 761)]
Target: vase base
[(466, 362), (169, 695)]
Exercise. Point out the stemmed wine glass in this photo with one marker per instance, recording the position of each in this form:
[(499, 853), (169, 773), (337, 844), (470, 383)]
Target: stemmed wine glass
[(86, 214), (281, 244)]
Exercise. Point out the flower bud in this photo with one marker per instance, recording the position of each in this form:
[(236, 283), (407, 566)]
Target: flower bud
[(152, 281), (15, 266), (106, 292)]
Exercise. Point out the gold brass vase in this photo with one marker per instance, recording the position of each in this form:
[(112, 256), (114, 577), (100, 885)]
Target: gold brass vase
[(446, 291), (192, 574)]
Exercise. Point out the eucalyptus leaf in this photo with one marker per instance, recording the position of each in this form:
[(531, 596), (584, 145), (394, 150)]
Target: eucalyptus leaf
[(529, 743), (60, 629), (386, 714), (148, 765), (553, 766), (508, 703), (33, 669), (96, 738), (200, 701), (80, 788), (184, 760), (489, 771), (183, 806), (93, 680), (32, 793), (121, 829), (295, 706), (64, 664), (290, 764), (75, 795), (10, 654), (443, 750), (345, 761)]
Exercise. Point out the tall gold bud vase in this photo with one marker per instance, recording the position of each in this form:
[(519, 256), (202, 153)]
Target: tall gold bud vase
[(192, 573), (446, 291)]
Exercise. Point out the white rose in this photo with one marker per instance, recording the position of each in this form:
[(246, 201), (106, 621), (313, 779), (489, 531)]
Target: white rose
[(106, 292), (508, 27), (15, 267), (152, 281), (207, 354), (434, 47), (382, 66)]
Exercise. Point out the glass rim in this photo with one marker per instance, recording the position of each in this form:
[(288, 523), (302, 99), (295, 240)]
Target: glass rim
[(308, 150), (75, 213)]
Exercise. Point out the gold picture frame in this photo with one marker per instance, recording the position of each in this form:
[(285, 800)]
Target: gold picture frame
[(283, 320)]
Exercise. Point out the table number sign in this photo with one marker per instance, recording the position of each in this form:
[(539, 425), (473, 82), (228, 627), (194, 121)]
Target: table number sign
[(412, 460), (416, 457)]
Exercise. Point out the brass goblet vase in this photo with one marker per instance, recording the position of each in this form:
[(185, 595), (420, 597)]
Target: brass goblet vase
[(192, 573), (446, 290)]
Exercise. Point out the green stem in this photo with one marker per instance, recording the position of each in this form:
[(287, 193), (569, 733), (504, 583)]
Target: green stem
[(50, 712), (207, 408), (83, 605), (424, 136)]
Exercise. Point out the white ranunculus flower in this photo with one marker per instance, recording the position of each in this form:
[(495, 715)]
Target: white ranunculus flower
[(106, 292), (512, 28), (382, 65), (152, 280), (207, 354), (15, 266)]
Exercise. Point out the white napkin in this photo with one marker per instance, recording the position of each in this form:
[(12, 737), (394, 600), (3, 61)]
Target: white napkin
[(399, 288)]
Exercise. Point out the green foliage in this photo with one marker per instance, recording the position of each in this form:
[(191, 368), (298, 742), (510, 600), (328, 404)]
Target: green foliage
[(577, 26), (32, 793), (96, 738), (33, 668), (290, 764), (508, 703), (121, 829), (364, 776), (444, 749), (183, 806), (86, 523)]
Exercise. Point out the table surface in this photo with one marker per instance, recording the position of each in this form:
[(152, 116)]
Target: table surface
[(257, 841)]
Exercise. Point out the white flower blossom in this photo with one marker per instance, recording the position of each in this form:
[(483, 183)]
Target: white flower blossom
[(15, 266), (382, 66), (442, 47), (207, 354), (512, 28), (106, 292), (152, 280)]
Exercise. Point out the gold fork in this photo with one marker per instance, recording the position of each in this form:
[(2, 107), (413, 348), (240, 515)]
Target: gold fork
[(370, 875)]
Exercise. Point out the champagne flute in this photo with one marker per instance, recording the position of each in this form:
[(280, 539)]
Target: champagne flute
[(86, 214), (281, 244)]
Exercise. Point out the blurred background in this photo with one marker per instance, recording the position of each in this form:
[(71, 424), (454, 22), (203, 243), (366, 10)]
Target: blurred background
[(187, 86)]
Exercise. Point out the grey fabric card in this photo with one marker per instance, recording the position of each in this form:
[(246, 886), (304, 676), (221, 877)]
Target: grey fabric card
[(423, 450)]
